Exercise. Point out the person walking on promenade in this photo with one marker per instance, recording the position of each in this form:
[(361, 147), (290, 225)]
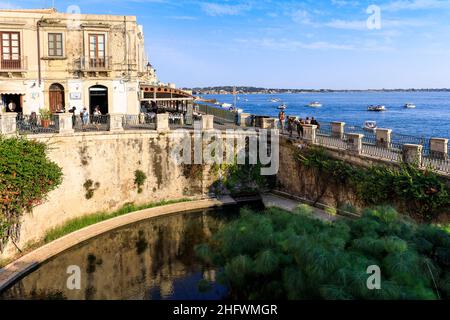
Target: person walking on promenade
[(33, 121), (282, 118), (314, 122), (300, 124), (84, 118), (290, 126), (97, 117), (74, 117)]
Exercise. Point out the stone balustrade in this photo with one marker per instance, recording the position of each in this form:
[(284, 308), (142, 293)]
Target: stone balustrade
[(355, 142), (412, 154), (384, 137), (337, 138), (439, 148), (338, 129), (309, 132), (8, 123)]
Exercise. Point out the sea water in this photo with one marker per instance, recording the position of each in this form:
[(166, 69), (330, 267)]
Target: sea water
[(431, 118)]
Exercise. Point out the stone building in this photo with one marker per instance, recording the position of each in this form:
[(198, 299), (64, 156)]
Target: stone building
[(57, 61)]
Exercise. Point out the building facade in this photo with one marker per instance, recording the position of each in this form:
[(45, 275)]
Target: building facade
[(57, 61)]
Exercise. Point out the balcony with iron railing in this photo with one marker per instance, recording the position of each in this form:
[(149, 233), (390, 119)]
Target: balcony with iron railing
[(11, 65), (95, 64)]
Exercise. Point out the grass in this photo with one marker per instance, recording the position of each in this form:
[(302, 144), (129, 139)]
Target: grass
[(82, 222)]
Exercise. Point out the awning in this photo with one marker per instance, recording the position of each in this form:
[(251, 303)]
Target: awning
[(12, 88)]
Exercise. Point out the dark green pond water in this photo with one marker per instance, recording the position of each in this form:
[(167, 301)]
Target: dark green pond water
[(150, 260)]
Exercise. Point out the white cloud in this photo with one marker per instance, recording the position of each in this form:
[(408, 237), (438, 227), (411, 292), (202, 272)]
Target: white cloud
[(345, 3), (301, 16), (347, 24), (416, 5), (216, 9), (182, 17)]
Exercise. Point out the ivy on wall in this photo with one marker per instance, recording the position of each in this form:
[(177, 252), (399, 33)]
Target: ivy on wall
[(421, 193), (26, 177), (240, 179)]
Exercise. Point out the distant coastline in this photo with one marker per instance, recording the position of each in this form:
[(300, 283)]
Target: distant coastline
[(255, 90)]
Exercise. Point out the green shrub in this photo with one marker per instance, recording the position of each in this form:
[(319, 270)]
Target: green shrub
[(280, 255), (139, 179), (26, 177)]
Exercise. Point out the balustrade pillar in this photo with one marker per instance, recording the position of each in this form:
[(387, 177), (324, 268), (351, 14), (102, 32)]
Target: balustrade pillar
[(309, 132), (8, 124), (354, 142), (162, 122), (338, 129), (412, 154), (384, 137), (115, 122), (439, 148), (64, 123)]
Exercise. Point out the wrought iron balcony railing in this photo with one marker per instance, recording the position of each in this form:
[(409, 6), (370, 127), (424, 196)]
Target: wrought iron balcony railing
[(95, 64), (18, 64)]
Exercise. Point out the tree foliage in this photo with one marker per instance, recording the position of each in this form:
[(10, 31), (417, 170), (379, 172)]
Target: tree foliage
[(26, 177), (280, 255)]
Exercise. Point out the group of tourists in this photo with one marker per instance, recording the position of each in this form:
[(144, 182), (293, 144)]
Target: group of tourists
[(295, 124), (85, 117)]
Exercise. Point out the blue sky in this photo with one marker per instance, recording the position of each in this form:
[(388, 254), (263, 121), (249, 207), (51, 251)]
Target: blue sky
[(288, 44)]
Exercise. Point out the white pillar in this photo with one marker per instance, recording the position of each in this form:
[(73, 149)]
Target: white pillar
[(207, 122), (412, 154), (115, 122), (338, 129), (309, 132), (162, 122), (384, 137), (439, 148), (64, 123), (354, 143), (8, 124)]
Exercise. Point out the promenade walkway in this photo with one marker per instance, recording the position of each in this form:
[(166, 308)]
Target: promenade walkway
[(271, 200)]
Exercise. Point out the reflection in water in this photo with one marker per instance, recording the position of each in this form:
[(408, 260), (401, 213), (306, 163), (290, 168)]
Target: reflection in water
[(154, 259)]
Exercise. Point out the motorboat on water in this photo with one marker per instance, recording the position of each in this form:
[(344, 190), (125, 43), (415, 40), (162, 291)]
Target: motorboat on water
[(314, 104), (379, 108), (370, 125), (226, 105), (275, 100), (282, 107), (410, 106)]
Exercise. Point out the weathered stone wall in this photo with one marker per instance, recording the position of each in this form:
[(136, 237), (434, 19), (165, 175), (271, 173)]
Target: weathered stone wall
[(299, 181), (109, 162), (296, 180)]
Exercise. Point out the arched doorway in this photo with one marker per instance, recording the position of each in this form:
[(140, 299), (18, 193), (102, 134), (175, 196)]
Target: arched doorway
[(56, 97), (98, 96)]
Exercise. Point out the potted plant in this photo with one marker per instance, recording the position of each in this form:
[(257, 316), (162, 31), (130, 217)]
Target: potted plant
[(46, 116)]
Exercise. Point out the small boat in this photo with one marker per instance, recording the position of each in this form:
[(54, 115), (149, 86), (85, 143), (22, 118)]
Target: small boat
[(379, 108), (410, 106), (282, 107), (370, 125), (275, 100), (226, 105), (315, 104)]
